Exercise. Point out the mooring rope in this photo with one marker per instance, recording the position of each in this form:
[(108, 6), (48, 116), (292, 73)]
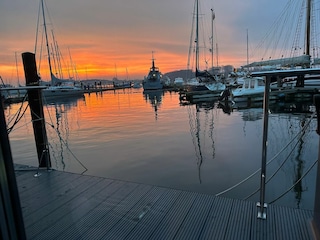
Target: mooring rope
[(17, 115), (281, 165), (18, 118), (298, 181), (39, 119), (62, 140), (75, 157), (271, 160)]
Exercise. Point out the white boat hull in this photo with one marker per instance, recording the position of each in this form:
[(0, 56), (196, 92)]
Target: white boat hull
[(53, 92)]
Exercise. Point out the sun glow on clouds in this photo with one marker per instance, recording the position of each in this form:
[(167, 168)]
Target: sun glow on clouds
[(103, 58), (108, 38)]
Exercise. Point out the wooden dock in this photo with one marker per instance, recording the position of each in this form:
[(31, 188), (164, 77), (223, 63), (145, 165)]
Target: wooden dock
[(60, 205)]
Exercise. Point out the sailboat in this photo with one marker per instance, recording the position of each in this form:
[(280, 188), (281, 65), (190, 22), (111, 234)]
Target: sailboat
[(253, 88), (10, 93), (58, 87), (302, 54), (204, 85)]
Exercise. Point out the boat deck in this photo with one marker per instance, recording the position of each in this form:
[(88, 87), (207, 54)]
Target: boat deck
[(61, 205)]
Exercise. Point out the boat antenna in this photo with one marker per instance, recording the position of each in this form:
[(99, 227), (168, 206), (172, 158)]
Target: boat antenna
[(153, 67)]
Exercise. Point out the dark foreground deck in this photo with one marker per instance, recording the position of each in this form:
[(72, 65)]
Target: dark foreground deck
[(60, 205)]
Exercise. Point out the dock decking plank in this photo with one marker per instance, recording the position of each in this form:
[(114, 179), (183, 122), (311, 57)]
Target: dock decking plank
[(171, 223), (86, 207), (28, 185), (149, 223), (54, 202), (216, 223), (116, 213), (261, 228), (288, 225), (304, 221), (137, 212), (193, 222), (72, 211), (111, 197), (240, 220), (54, 182), (60, 210)]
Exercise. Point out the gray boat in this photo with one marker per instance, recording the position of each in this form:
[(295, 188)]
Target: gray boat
[(154, 79)]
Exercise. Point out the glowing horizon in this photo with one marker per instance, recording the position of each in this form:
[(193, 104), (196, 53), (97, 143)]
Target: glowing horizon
[(115, 39), (90, 65)]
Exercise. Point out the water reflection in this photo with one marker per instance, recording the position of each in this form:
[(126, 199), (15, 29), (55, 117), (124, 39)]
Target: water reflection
[(252, 114), (254, 111), (291, 168), (248, 113), (57, 112), (197, 147), (248, 105), (298, 189), (201, 123), (66, 100), (294, 163), (226, 107), (292, 107), (155, 98)]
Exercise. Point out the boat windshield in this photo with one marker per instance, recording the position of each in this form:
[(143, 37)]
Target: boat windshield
[(261, 83)]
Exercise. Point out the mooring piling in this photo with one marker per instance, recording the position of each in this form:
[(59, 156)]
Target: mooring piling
[(36, 108)]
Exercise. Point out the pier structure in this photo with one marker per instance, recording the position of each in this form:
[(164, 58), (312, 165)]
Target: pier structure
[(272, 76), (316, 215), (61, 205)]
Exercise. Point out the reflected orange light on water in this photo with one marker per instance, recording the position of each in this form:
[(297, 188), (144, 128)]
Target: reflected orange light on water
[(115, 106)]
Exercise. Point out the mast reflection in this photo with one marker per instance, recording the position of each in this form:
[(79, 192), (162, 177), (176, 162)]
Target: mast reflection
[(58, 139), (201, 121)]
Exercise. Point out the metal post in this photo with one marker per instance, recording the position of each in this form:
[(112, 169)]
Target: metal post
[(316, 215), (12, 226), (262, 204), (36, 108)]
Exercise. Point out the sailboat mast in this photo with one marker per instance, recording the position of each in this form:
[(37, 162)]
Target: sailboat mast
[(308, 27), (247, 47), (56, 56), (217, 50), (197, 35), (127, 74), (17, 68), (115, 72), (212, 19), (47, 42)]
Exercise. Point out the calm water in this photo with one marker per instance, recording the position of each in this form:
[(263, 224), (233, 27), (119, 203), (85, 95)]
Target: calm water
[(153, 139)]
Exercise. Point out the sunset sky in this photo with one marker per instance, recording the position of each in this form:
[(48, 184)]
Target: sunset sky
[(116, 38)]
